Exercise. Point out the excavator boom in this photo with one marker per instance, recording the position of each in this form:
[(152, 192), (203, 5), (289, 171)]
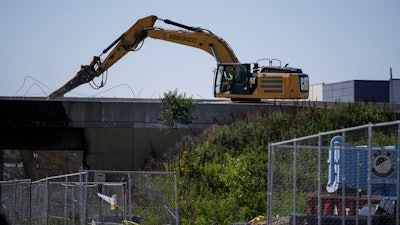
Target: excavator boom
[(208, 42)]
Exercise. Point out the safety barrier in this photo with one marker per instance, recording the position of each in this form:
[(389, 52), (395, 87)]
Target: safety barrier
[(92, 197), (333, 175)]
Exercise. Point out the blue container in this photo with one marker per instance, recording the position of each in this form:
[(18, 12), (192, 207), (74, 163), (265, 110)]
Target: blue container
[(348, 168)]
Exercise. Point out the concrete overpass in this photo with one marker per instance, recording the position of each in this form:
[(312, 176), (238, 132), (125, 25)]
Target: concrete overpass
[(112, 134)]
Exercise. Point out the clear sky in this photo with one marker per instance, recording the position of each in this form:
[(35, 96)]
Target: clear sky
[(44, 42)]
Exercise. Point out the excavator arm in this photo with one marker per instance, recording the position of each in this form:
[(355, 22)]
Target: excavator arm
[(134, 36)]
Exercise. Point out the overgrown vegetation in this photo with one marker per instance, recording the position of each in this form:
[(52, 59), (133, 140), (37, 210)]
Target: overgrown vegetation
[(222, 173), (176, 109)]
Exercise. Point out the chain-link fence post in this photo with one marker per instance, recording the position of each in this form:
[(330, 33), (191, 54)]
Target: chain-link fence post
[(270, 182), (177, 217)]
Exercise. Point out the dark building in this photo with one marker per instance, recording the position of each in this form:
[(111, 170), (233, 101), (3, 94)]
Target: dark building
[(361, 91)]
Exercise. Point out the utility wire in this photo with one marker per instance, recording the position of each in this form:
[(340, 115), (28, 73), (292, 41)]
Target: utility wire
[(36, 82), (133, 94)]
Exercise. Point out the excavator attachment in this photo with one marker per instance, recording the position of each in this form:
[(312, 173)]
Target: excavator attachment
[(81, 77)]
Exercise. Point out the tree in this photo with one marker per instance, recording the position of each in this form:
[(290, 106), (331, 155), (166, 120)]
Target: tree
[(176, 109)]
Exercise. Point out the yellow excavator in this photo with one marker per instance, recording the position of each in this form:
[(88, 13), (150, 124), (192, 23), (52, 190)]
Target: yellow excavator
[(234, 80)]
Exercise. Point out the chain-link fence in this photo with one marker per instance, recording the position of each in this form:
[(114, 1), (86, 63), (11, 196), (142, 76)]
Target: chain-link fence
[(14, 196), (339, 177), (93, 197)]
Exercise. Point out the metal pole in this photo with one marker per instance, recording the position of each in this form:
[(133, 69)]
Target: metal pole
[(358, 184), (30, 202), (65, 200), (343, 171), (176, 200), (392, 95), (369, 172), (80, 193), (319, 177), (269, 188), (294, 177), (398, 174), (73, 197), (14, 210), (83, 194), (130, 193), (47, 201)]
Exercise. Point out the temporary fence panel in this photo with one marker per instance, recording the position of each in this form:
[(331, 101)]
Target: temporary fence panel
[(333, 176), (14, 200), (93, 197)]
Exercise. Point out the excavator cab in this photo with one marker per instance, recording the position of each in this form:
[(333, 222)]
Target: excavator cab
[(234, 78), (250, 82)]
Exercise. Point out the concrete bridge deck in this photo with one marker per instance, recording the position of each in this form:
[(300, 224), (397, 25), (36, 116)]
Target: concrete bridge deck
[(115, 134)]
